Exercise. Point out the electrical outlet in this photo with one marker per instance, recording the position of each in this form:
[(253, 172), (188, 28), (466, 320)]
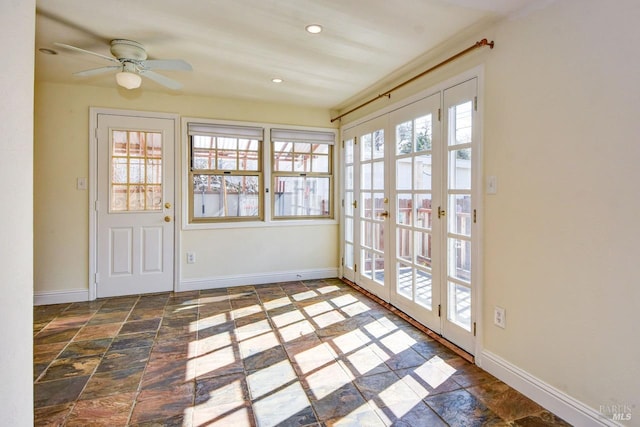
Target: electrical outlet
[(191, 257), (499, 317)]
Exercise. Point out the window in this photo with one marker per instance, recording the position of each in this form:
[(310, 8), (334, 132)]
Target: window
[(302, 164), (225, 174)]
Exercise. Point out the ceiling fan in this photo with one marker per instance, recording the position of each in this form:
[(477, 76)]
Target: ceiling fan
[(132, 63)]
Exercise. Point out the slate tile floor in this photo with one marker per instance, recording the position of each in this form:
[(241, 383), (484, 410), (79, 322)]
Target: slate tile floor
[(313, 353)]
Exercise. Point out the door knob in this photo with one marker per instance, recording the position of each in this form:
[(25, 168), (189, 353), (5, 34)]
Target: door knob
[(167, 219), (167, 205)]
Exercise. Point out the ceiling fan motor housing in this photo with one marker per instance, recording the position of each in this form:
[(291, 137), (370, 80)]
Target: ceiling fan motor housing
[(128, 49)]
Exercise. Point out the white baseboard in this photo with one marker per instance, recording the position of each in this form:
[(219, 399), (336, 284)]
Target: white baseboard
[(547, 396), (60, 297), (255, 279)]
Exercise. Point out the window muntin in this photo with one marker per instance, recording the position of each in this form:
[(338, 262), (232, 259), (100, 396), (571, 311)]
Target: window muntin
[(225, 174), (302, 174)]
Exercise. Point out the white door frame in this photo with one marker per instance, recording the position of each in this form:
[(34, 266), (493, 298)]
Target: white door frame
[(478, 193), (93, 188)]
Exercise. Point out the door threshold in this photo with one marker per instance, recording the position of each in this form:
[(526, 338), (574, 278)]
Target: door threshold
[(413, 322)]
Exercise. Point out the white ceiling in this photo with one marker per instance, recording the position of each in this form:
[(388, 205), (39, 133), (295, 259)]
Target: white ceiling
[(237, 46)]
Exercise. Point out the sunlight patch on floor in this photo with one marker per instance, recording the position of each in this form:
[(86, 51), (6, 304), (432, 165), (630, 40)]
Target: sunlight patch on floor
[(315, 357), (289, 401), (327, 380), (297, 330), (271, 378)]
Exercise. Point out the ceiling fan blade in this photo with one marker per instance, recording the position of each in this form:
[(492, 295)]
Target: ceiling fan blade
[(77, 49), (159, 78), (96, 71), (166, 64)]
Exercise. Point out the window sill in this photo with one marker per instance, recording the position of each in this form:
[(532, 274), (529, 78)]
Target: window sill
[(259, 224)]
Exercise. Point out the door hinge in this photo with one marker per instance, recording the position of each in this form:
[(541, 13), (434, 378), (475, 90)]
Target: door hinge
[(474, 329), (97, 277), (355, 268), (439, 114), (355, 140), (475, 103), (342, 261), (96, 205), (342, 144), (441, 212), (475, 216), (95, 133), (343, 203), (355, 204), (439, 310)]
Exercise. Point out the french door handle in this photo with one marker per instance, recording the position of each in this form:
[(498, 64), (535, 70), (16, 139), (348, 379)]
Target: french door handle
[(384, 214)]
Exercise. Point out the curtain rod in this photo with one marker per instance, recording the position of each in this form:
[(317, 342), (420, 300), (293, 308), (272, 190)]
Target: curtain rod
[(477, 45)]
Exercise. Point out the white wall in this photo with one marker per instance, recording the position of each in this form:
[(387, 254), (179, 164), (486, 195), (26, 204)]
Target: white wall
[(561, 128), (62, 212), (17, 29)]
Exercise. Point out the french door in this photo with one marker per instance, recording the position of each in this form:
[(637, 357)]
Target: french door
[(410, 209)]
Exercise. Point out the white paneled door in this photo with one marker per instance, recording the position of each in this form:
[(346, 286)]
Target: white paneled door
[(410, 213), (135, 205)]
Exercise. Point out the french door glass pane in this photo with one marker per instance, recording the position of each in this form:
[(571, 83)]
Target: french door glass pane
[(422, 168), (460, 169), (423, 248), (423, 133), (378, 144), (460, 214), (367, 205), (460, 117), (405, 280), (459, 305), (460, 259), (367, 264), (348, 151), (365, 150), (348, 203), (378, 175), (348, 255), (365, 176), (404, 174), (423, 211), (424, 288), (404, 138), (404, 215), (379, 269), (348, 177), (367, 237), (348, 229), (378, 233), (404, 244)]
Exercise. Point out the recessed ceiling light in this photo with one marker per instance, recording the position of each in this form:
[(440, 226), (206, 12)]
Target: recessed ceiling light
[(313, 28), (277, 80), (47, 51)]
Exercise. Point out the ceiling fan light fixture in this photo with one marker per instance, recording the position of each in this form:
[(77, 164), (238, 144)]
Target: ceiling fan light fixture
[(313, 28), (128, 80)]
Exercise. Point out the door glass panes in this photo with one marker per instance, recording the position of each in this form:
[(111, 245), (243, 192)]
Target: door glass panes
[(136, 171), (404, 206), (460, 259), (459, 303), (349, 205), (373, 205), (460, 169), (413, 209), (424, 288), (459, 214), (461, 124)]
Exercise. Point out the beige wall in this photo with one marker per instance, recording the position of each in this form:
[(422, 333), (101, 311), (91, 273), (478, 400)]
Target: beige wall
[(561, 236), (17, 29), (62, 215)]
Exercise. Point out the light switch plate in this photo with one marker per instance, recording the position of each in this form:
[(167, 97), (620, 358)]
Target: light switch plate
[(492, 184)]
